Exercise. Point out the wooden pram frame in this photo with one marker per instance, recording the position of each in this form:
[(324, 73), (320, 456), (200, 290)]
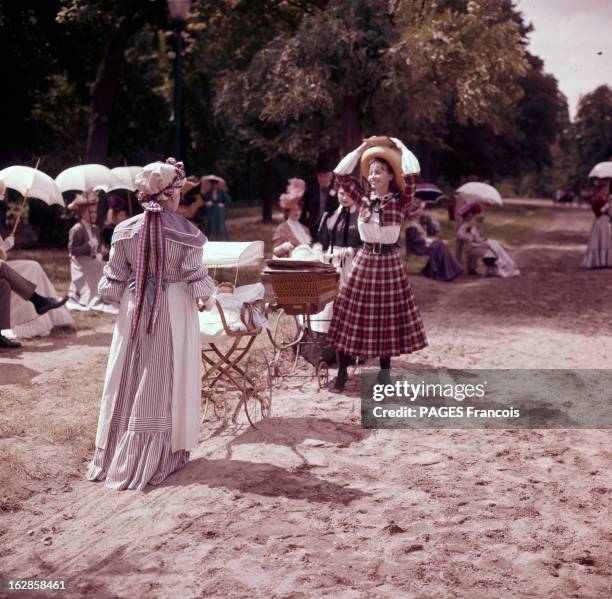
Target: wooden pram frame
[(252, 380)]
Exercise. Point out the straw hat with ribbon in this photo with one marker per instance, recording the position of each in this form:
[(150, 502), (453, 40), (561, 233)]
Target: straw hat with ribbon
[(191, 182), (84, 198), (157, 183), (387, 151)]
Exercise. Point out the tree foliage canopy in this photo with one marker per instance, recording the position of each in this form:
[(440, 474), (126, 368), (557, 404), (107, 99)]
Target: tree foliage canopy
[(271, 84)]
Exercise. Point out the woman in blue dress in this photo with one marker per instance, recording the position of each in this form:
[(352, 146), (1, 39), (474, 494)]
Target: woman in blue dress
[(215, 201)]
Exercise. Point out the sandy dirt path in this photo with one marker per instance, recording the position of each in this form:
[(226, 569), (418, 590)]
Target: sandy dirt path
[(311, 505)]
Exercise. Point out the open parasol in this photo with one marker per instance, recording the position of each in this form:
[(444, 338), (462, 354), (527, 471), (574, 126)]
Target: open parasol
[(603, 170), (428, 192), (480, 192), (31, 183), (88, 177), (126, 176)]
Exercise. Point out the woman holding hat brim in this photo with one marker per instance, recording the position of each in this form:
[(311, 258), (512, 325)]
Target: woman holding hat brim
[(375, 315), (442, 265), (150, 412), (86, 264)]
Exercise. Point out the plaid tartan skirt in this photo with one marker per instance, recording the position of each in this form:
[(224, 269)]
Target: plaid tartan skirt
[(375, 315)]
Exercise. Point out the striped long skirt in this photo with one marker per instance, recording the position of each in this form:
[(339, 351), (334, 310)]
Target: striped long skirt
[(375, 315), (138, 448)]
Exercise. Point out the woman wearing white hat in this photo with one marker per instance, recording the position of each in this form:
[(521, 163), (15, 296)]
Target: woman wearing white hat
[(149, 418), (86, 264), (497, 260)]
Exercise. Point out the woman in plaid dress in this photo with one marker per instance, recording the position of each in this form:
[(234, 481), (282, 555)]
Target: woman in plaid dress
[(375, 315)]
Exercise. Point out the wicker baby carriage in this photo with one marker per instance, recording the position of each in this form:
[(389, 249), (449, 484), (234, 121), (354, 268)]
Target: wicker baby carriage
[(302, 289)]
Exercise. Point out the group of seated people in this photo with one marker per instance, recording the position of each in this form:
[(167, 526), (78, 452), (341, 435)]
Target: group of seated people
[(324, 217)]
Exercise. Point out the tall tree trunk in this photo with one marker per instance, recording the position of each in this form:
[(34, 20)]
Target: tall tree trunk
[(269, 192), (351, 124), (107, 83)]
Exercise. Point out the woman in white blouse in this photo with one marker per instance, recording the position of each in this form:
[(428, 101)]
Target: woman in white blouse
[(375, 315), (291, 233)]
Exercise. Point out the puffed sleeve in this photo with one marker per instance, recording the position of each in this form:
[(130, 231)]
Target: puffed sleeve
[(410, 169), (195, 274), (116, 272), (351, 185), (77, 244), (280, 235)]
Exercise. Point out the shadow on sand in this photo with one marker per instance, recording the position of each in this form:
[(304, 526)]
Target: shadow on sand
[(261, 479)]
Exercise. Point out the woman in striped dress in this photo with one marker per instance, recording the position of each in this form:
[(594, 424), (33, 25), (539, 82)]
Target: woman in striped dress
[(375, 315), (149, 416)]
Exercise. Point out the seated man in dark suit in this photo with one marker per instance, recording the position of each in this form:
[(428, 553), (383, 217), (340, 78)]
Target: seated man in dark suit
[(11, 281), (319, 197)]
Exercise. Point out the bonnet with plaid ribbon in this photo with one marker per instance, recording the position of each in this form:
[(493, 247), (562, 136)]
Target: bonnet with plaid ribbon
[(156, 183)]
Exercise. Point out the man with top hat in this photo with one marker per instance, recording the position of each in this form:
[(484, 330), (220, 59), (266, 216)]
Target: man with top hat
[(320, 197)]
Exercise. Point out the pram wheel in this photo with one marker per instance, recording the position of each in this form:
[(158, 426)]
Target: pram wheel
[(322, 374), (212, 406), (256, 389), (286, 331)]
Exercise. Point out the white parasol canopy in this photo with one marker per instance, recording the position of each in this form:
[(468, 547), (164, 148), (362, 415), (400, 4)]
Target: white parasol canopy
[(232, 254), (88, 177), (32, 183), (481, 192), (126, 174), (603, 170)]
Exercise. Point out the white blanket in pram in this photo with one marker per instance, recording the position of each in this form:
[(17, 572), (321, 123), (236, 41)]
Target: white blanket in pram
[(211, 326)]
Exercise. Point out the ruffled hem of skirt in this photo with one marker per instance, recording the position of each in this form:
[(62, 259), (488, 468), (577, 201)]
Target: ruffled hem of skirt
[(597, 259), (133, 460)]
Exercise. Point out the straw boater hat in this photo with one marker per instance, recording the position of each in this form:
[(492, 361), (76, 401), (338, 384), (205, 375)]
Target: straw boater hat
[(390, 154), (294, 194), (83, 199), (190, 182)]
